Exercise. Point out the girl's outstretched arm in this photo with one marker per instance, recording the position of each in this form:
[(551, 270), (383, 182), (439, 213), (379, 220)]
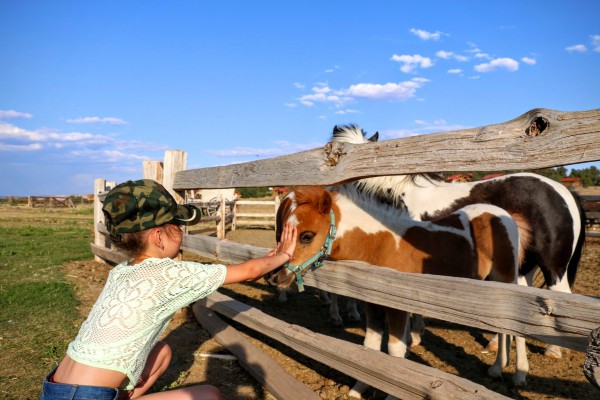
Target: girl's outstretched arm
[(257, 267)]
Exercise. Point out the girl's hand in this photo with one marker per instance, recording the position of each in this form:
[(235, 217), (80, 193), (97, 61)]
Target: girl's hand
[(288, 239)]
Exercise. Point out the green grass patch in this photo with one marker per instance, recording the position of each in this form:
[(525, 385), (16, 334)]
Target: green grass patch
[(38, 316)]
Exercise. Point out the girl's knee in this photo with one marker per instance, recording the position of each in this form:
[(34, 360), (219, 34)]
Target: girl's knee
[(162, 351), (208, 392)]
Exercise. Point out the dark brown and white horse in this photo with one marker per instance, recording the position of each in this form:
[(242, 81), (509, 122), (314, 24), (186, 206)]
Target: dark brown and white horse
[(555, 216), (478, 241)]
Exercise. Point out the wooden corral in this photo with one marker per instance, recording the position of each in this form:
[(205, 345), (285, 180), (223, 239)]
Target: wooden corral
[(539, 138), (50, 201)]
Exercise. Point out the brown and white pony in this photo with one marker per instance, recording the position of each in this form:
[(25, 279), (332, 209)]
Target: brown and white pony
[(554, 214), (479, 241)]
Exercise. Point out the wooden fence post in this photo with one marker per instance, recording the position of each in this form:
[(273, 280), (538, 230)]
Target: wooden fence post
[(99, 238), (222, 222), (175, 161), (153, 170)]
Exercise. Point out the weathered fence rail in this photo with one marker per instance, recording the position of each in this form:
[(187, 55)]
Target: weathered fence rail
[(538, 139), (254, 218)]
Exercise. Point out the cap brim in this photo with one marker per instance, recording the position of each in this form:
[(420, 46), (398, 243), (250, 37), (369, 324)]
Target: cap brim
[(187, 215)]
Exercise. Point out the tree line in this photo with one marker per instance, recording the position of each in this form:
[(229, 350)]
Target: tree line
[(589, 176)]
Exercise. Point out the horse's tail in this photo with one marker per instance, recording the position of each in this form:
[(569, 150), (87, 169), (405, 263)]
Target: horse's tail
[(524, 234), (576, 256)]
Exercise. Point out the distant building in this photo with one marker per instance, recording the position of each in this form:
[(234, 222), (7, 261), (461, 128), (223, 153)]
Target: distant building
[(571, 182), (456, 178), (281, 191), (490, 176)]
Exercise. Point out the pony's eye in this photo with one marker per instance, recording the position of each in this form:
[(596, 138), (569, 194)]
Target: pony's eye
[(307, 237)]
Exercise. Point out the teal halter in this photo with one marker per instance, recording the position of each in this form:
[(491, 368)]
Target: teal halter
[(317, 259)]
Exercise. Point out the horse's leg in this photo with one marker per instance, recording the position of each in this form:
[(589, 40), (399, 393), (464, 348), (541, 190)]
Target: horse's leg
[(417, 327), (519, 378), (523, 280), (501, 357), (282, 294), (373, 337), (324, 296), (353, 314), (398, 324), (552, 350), (398, 334), (334, 311)]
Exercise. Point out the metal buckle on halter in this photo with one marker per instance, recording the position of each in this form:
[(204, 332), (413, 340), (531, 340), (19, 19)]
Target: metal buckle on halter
[(317, 259)]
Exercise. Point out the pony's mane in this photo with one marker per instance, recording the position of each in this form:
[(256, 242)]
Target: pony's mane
[(371, 203), (386, 189)]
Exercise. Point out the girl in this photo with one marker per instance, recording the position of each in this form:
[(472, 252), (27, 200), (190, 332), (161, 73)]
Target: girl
[(117, 353)]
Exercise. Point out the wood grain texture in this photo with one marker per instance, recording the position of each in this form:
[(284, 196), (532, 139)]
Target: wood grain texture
[(398, 376), (253, 359), (552, 317), (540, 138)]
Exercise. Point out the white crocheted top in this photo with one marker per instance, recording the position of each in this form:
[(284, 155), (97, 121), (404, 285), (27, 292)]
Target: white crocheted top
[(135, 307)]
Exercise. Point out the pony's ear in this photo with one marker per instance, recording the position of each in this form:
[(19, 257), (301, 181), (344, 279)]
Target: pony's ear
[(374, 138), (324, 204)]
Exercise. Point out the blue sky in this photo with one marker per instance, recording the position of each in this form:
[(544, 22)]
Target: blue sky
[(90, 89)]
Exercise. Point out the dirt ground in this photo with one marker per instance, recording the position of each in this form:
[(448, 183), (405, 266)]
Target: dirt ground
[(452, 348)]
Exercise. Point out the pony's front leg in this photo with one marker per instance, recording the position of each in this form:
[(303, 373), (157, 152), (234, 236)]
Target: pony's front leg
[(334, 311), (519, 378), (373, 337), (501, 357), (398, 335), (417, 327), (353, 314), (398, 332)]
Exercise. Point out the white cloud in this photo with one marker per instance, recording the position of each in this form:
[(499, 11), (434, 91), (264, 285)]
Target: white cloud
[(595, 42), (424, 127), (299, 85), (483, 55), (18, 147), (97, 120), (291, 105), (444, 54), (348, 111), (245, 151), (473, 48), (455, 71), (425, 35), (578, 48), (371, 91), (528, 60), (388, 91), (411, 63), (5, 114), (499, 63)]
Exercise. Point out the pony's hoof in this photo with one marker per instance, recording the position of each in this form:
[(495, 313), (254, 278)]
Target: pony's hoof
[(415, 339), (354, 317), (553, 351), (519, 379), (358, 389), (495, 371), (337, 321)]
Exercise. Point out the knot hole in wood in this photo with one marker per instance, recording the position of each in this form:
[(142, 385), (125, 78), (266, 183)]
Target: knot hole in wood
[(537, 126)]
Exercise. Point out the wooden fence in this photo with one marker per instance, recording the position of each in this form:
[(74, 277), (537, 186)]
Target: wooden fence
[(540, 138)]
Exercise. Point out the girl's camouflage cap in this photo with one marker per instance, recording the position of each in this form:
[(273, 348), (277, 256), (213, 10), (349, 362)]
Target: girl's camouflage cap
[(134, 206)]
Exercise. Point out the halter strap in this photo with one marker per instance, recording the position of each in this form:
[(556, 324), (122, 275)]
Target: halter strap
[(317, 259)]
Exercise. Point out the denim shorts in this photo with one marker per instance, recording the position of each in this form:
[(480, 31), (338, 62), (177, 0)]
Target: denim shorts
[(64, 391)]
